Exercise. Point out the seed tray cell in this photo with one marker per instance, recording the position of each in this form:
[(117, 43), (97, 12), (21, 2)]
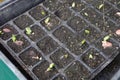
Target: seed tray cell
[(54, 42), (10, 9)]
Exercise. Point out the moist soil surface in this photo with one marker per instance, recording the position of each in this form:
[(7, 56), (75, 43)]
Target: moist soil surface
[(63, 39)]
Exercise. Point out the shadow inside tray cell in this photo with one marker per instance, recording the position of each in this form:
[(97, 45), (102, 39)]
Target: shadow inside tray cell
[(110, 71)]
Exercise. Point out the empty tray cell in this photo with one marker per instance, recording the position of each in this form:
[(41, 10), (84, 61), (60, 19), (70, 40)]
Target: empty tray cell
[(50, 22), (115, 2), (18, 43), (63, 34), (47, 45), (6, 31), (52, 5), (31, 56), (32, 32), (90, 1), (63, 13), (76, 71), (41, 71), (93, 58), (91, 34), (118, 4), (61, 58), (76, 23), (107, 26), (59, 77), (38, 12), (23, 21)]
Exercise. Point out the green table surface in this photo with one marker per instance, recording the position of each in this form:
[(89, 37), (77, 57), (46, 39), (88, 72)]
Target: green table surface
[(6, 73)]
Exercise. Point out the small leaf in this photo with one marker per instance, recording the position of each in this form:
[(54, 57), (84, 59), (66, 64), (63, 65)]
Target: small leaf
[(66, 55), (13, 37), (90, 56), (106, 38), (100, 6), (47, 20), (87, 31), (50, 66), (86, 14), (83, 42), (43, 12), (28, 30), (73, 4)]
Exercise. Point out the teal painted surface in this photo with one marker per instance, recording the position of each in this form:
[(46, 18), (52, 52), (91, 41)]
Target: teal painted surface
[(6, 73)]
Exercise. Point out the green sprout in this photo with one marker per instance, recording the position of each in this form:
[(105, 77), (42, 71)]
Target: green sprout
[(100, 6), (43, 13), (87, 31), (47, 20), (106, 38), (83, 42), (13, 38), (51, 66), (66, 55), (1, 32), (28, 30), (86, 14), (90, 56), (73, 4)]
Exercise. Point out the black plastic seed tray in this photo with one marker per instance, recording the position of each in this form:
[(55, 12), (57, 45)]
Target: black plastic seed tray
[(63, 39), (9, 9)]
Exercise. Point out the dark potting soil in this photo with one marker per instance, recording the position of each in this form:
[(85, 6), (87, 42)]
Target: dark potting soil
[(52, 5), (31, 56), (41, 73), (63, 13), (77, 72), (61, 58), (38, 12), (23, 21), (7, 31), (93, 58), (76, 23), (50, 22), (65, 39), (59, 77), (102, 6), (47, 45), (91, 15), (90, 34), (18, 47), (108, 51), (35, 31), (112, 13)]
